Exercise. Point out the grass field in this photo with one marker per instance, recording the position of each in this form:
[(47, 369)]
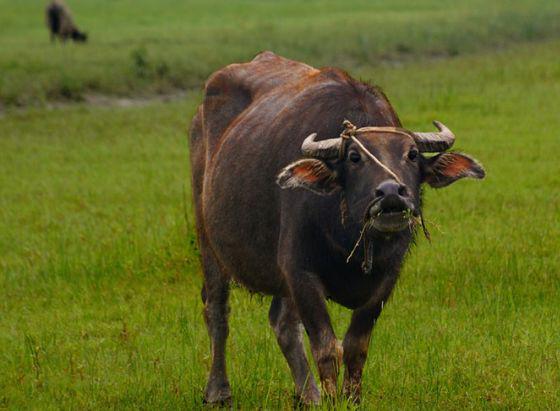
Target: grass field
[(99, 278), (158, 46)]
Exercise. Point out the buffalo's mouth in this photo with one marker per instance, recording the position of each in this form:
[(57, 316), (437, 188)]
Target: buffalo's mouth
[(390, 215)]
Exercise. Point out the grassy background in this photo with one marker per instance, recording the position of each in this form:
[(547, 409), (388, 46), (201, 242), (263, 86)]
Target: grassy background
[(99, 279), (140, 47)]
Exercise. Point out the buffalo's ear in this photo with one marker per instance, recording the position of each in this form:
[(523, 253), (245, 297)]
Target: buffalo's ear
[(446, 168), (309, 173)]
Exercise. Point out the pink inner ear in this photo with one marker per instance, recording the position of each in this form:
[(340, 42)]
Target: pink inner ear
[(305, 173), (455, 165)]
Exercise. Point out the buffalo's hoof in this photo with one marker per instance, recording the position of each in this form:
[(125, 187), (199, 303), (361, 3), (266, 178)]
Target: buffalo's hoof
[(352, 391), (311, 397), (329, 387), (331, 365), (217, 394)]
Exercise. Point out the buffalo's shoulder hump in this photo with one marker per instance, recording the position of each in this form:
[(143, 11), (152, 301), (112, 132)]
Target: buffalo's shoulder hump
[(231, 90)]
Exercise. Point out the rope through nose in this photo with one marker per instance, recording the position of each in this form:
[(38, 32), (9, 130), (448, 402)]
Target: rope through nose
[(350, 133)]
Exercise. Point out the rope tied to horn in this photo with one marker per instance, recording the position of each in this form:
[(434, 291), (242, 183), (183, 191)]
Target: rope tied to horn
[(349, 132)]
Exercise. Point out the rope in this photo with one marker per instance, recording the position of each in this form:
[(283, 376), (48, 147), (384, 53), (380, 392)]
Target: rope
[(350, 132), (357, 242)]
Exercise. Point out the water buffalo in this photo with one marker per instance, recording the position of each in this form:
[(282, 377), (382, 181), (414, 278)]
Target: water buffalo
[(60, 23), (307, 187)]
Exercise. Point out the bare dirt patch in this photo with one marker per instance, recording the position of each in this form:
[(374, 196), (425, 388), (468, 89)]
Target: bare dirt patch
[(101, 100)]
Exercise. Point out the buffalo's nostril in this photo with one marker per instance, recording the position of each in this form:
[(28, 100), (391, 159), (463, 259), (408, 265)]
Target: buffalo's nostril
[(389, 187)]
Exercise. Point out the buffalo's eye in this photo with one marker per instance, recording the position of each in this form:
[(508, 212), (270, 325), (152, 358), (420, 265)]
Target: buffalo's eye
[(413, 154), (354, 156)]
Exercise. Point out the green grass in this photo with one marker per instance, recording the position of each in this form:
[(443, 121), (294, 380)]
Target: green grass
[(99, 284), (99, 277), (141, 47)]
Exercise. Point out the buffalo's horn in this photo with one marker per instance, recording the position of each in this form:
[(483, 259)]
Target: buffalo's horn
[(321, 149), (435, 142)]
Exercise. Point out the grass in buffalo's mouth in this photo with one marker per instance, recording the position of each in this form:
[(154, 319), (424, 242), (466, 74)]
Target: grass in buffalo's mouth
[(404, 213)]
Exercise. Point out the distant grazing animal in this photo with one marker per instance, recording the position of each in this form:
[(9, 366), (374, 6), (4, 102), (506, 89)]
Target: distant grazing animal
[(293, 201), (60, 23)]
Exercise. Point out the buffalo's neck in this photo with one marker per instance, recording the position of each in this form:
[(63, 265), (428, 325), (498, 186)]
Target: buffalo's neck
[(385, 251), (345, 281)]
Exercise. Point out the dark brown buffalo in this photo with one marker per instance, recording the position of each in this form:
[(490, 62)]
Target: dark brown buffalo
[(60, 23), (281, 215)]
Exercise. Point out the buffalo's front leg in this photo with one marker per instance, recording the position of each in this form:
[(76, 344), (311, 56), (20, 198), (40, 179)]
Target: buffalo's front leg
[(357, 338), (309, 299), (286, 324)]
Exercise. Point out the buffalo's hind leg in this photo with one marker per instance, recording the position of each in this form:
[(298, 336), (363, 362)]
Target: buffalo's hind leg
[(215, 295), (287, 326)]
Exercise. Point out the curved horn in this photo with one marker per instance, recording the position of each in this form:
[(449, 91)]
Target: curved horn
[(435, 142), (321, 149)]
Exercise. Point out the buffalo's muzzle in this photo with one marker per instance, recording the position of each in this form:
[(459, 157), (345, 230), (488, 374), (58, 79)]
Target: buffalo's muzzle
[(391, 208)]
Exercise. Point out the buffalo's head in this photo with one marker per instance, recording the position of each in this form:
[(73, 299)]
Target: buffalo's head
[(380, 171), (79, 36)]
